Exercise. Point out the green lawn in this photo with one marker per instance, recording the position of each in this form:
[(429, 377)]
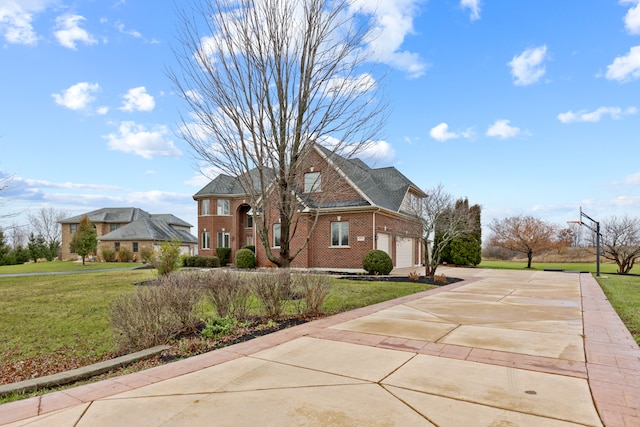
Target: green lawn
[(68, 315), (623, 292), (605, 268), (56, 266)]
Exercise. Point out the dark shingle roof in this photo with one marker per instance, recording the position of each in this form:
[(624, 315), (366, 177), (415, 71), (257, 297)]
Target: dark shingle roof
[(149, 229), (110, 215), (384, 187), (230, 186)]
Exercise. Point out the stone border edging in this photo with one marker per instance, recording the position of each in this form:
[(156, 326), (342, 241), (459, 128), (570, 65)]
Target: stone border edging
[(82, 373)]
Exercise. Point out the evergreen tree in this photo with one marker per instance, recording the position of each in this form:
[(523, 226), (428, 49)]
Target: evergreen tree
[(85, 239), (37, 247)]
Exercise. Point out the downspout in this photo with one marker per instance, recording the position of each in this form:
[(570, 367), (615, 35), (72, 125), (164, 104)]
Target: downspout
[(375, 241)]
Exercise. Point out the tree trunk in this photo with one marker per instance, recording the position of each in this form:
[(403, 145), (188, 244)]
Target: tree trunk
[(529, 258)]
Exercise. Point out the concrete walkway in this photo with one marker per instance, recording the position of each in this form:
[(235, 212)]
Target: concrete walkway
[(519, 348)]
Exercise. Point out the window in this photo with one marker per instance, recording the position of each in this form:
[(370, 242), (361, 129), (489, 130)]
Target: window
[(340, 233), (276, 235), (135, 246), (223, 207), (223, 239), (117, 244), (204, 207), (113, 227), (312, 182), (73, 228), (249, 241), (205, 240), (249, 221)]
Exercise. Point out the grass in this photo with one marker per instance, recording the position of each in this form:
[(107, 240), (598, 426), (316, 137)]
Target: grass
[(623, 292), (68, 315), (605, 268), (57, 266), (60, 313)]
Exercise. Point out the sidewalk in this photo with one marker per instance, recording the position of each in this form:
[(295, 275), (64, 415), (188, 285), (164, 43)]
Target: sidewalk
[(501, 348)]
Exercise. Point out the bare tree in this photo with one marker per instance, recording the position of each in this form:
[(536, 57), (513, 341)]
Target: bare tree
[(524, 234), (46, 223), (440, 215), (264, 80), (621, 242)]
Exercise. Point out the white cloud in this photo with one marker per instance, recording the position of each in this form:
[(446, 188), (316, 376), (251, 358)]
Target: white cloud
[(632, 18), (137, 99), (392, 22), (527, 68), (68, 31), (377, 152), (473, 6), (633, 179), (78, 96), (133, 33), (16, 18), (595, 116), (441, 133), (502, 129), (625, 68), (136, 139)]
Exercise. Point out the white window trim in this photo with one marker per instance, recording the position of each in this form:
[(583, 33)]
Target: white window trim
[(339, 235), (222, 202)]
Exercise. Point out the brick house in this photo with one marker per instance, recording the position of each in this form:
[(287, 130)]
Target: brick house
[(360, 208), (132, 228)]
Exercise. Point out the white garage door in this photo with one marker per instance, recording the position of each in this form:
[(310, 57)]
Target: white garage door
[(383, 243), (404, 252)]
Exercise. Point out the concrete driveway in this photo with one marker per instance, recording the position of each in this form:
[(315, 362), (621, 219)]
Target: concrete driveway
[(521, 348)]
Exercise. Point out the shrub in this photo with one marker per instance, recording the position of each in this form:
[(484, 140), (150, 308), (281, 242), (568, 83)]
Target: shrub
[(228, 293), (108, 254), (313, 288), (124, 255), (217, 327), (146, 254), (245, 258), (273, 289), (224, 254), (252, 248), (201, 261), (377, 262), (166, 258), (152, 315), (440, 279)]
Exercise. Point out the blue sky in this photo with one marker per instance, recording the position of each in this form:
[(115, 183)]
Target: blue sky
[(523, 107)]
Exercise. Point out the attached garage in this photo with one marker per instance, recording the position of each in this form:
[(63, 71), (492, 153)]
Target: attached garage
[(404, 252), (384, 240)]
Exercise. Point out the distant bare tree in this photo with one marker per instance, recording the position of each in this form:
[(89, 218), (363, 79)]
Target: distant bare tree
[(525, 234), (46, 223), (263, 82), (621, 242), (439, 214), (18, 235)]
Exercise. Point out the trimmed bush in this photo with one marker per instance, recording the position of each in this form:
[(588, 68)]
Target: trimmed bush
[(245, 258), (377, 262), (252, 248), (201, 261), (224, 254)]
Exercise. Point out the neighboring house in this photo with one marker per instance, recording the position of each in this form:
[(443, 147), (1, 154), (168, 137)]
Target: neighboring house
[(360, 208), (132, 228)]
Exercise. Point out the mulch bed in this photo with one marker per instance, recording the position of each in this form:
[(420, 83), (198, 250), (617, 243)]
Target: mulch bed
[(398, 279)]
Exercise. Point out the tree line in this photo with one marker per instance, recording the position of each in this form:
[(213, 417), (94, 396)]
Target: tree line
[(40, 239), (619, 238)]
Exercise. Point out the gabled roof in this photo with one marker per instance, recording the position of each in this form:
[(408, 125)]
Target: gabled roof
[(110, 215), (382, 187), (149, 229), (229, 186), (171, 220)]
